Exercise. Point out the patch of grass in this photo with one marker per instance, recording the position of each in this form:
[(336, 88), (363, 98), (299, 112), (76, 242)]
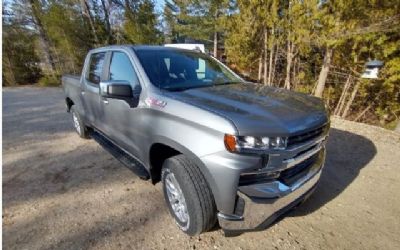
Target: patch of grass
[(50, 81), (391, 125)]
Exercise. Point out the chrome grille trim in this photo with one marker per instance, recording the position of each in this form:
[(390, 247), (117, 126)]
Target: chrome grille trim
[(295, 140)]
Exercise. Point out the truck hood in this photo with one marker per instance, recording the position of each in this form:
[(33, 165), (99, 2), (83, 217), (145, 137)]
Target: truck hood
[(258, 110)]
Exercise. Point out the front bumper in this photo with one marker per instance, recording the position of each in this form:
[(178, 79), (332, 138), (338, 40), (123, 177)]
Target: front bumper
[(260, 204)]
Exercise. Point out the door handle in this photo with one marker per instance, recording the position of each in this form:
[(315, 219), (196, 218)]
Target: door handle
[(105, 101)]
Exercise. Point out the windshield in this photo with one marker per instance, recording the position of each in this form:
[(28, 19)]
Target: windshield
[(176, 70)]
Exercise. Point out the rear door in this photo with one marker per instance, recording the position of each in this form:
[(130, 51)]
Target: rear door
[(91, 94)]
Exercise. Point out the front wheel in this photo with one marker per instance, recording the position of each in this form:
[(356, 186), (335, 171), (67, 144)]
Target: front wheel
[(188, 196)]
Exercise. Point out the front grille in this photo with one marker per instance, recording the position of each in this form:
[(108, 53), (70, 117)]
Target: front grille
[(297, 139), (291, 175), (252, 178), (288, 176)]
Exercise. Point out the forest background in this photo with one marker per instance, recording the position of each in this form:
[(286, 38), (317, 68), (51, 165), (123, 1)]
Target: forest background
[(318, 47)]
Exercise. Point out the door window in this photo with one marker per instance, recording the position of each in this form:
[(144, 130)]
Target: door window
[(95, 67), (121, 68)]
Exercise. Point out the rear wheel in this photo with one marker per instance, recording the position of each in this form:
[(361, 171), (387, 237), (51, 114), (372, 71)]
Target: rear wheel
[(80, 128), (188, 196)]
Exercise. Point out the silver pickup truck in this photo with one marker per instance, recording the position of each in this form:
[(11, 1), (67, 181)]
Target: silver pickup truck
[(223, 148)]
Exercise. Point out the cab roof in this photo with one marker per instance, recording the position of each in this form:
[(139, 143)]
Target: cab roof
[(137, 47)]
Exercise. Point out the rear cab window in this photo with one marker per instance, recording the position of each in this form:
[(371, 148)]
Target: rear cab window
[(95, 68)]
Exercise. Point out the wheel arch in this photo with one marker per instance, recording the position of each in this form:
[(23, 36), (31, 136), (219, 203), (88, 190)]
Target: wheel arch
[(177, 148)]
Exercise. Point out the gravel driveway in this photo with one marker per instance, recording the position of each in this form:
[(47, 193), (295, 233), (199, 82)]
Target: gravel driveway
[(62, 192)]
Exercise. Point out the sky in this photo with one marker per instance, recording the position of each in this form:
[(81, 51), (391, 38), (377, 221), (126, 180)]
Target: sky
[(159, 5)]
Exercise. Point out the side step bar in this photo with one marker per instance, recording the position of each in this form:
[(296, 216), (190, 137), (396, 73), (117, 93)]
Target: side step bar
[(129, 161)]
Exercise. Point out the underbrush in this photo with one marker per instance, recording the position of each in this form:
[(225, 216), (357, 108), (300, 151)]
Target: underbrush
[(50, 81)]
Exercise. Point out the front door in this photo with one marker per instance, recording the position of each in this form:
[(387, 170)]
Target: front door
[(120, 120)]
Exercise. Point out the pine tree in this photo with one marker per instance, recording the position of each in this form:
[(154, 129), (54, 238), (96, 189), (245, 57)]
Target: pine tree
[(198, 20), (140, 26), (20, 63)]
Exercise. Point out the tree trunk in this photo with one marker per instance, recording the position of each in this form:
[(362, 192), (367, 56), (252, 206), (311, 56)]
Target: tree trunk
[(274, 65), (289, 57), (353, 95), (359, 116), (86, 12), (328, 100), (60, 65), (8, 71), (215, 44), (44, 40), (271, 56), (339, 105), (265, 56), (294, 80), (324, 72), (371, 104), (260, 67), (107, 20)]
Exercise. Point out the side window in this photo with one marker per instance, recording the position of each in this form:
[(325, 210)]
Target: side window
[(95, 67), (121, 68)]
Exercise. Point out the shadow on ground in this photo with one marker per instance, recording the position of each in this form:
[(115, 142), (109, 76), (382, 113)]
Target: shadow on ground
[(347, 154)]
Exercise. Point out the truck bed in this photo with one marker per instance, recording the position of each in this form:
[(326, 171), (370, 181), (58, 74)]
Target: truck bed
[(72, 89), (69, 78)]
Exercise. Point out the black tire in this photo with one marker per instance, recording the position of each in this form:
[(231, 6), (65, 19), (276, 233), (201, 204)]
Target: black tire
[(82, 131), (201, 208)]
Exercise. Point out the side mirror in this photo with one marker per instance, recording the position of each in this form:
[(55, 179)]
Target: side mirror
[(121, 90), (115, 89)]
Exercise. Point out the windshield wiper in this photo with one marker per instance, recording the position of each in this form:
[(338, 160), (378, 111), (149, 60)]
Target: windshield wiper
[(176, 88), (183, 88)]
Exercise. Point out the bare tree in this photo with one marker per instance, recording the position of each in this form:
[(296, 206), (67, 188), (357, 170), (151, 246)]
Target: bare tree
[(265, 56), (362, 113), (260, 67), (86, 12), (106, 9), (352, 96), (44, 40), (215, 44), (271, 56), (340, 104), (324, 72), (289, 59), (274, 64)]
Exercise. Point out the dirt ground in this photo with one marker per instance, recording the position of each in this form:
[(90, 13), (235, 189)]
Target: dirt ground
[(62, 192)]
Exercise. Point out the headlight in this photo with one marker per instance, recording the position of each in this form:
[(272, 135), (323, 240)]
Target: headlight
[(253, 144)]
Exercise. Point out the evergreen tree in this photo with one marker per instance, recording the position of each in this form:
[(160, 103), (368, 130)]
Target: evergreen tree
[(140, 26), (312, 46), (199, 20), (20, 63)]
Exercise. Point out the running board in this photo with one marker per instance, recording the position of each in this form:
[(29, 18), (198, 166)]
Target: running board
[(127, 160)]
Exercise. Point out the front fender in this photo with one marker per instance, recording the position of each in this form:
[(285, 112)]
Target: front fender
[(188, 153)]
